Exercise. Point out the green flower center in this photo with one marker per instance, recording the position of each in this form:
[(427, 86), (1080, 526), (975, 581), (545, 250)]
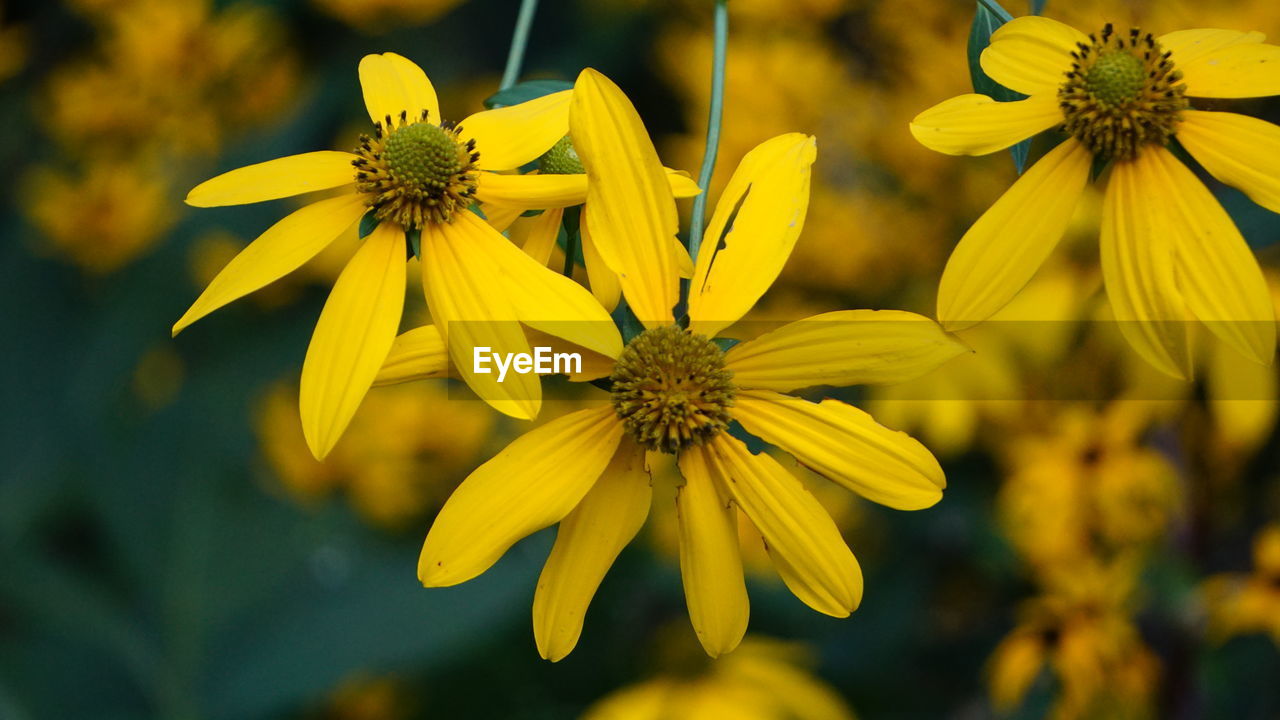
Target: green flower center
[(1116, 78), (415, 172), (561, 159), (671, 389), (1121, 94), (424, 155)]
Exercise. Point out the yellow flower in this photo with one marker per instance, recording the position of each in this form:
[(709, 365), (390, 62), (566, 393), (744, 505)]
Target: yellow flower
[(415, 174), (765, 679), (1081, 631), (1169, 252), (674, 390), (1240, 604)]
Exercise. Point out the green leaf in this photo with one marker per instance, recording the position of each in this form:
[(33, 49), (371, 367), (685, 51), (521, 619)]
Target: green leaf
[(986, 20), (525, 91), (414, 237), (367, 224)]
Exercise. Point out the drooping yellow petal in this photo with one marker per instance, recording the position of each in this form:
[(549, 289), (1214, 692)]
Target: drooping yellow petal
[(501, 217), (541, 298), (604, 283), (803, 541), (283, 248), (509, 137), (1216, 271), (532, 484), (273, 179), (1137, 254), (537, 235), (1005, 247), (630, 206), (847, 347), (1031, 54), (710, 561), (1242, 69), (393, 84), (352, 337), (1190, 46), (1240, 151), (472, 310), (417, 354), (533, 191), (587, 542), (977, 125), (766, 201), (847, 446)]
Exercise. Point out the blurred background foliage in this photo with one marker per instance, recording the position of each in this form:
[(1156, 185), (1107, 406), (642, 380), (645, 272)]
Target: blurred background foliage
[(170, 549)]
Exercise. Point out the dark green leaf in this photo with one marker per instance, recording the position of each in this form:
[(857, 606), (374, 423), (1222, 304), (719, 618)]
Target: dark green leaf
[(725, 343), (415, 241), (525, 91), (367, 224), (986, 20)]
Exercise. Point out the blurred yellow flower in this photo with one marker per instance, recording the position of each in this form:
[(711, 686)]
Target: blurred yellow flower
[(1169, 252), (13, 48), (379, 16), (675, 391), (417, 175), (405, 449), (764, 680), (1247, 603), (101, 216), (1079, 630)]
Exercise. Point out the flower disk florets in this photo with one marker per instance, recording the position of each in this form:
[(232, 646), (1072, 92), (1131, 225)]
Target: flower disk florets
[(416, 173), (671, 389), (1122, 93), (561, 159)]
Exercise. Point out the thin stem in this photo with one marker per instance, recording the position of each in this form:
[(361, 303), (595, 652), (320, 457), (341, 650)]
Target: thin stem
[(713, 127), (572, 236), (519, 39)]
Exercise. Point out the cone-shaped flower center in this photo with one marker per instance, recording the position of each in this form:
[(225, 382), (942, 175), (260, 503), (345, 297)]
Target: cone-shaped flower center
[(1122, 93), (561, 159), (671, 389), (416, 173)]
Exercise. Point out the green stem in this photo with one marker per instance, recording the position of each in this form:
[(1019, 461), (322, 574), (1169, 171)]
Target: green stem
[(520, 39), (698, 217), (572, 233)]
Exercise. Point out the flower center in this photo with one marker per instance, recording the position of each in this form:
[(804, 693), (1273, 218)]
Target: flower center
[(415, 173), (671, 389), (561, 159), (1122, 93)]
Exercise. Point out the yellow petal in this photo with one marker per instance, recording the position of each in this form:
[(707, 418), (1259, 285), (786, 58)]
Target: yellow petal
[(594, 365), (682, 185), (847, 446), (1190, 46), (283, 248), (471, 309), (352, 337), (803, 541), (1242, 397), (630, 207), (537, 235), (509, 137), (532, 484), (848, 347), (710, 561), (501, 217), (1240, 151), (684, 263), (1031, 54), (587, 542), (541, 298), (604, 283), (1244, 68), (977, 125), (1217, 272), (417, 354), (533, 191), (279, 178), (766, 198), (1136, 251), (1005, 247), (393, 84)]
